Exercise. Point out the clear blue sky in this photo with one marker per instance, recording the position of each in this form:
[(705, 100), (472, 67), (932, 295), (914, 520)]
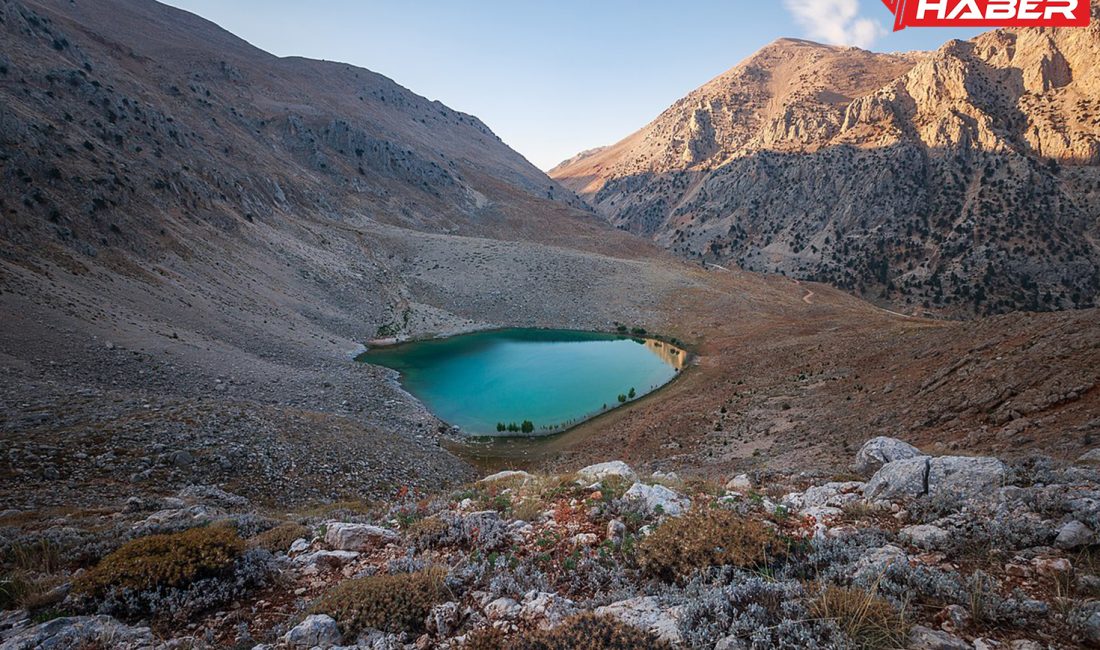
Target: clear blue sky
[(554, 78)]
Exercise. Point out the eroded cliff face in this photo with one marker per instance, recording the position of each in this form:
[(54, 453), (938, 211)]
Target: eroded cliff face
[(961, 180)]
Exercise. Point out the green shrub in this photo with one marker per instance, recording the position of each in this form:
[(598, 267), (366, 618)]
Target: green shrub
[(706, 538), (171, 560), (394, 603), (279, 538), (591, 632)]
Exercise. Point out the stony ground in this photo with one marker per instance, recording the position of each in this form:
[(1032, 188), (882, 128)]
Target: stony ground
[(907, 551)]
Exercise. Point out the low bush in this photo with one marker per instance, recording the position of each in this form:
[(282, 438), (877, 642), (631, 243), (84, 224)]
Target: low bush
[(591, 632), (751, 612), (172, 560), (173, 577), (486, 638), (707, 538), (393, 603), (279, 538), (433, 531)]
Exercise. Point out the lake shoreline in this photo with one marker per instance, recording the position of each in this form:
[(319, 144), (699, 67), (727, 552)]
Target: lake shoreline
[(395, 355)]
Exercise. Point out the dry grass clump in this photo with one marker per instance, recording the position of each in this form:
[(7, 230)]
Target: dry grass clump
[(486, 638), (25, 590), (428, 532), (171, 560), (279, 538), (869, 621), (394, 603), (32, 576), (338, 509), (591, 632), (707, 538)]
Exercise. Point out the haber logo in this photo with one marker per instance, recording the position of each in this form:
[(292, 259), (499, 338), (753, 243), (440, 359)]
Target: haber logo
[(989, 13)]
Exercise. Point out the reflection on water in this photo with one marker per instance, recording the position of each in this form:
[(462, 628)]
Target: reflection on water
[(671, 355)]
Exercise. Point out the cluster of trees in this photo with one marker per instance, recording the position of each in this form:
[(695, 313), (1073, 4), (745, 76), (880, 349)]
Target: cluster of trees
[(526, 426), (635, 331), (630, 395)]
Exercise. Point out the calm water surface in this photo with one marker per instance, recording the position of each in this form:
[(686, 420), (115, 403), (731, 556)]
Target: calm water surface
[(552, 378)]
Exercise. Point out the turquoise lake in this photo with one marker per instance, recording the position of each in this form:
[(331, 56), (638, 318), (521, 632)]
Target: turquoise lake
[(551, 378)]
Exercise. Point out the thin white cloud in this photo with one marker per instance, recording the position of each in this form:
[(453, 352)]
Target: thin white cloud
[(836, 22)]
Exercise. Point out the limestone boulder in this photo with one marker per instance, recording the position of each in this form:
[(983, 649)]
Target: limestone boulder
[(879, 451)]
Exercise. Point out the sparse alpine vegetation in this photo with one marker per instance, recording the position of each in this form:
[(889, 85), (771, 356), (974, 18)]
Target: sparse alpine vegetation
[(922, 551)]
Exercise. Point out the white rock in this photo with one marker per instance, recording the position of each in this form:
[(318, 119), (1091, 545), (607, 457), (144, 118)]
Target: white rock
[(443, 619), (899, 478), (508, 475), (1052, 566), (616, 530), (80, 632), (874, 561), (585, 539), (925, 536), (502, 609), (1074, 535), (646, 613), (821, 514), (545, 609), (213, 494), (923, 638), (299, 545), (192, 516), (835, 495), (318, 630), (657, 499), (372, 639), (876, 452), (966, 476), (326, 559), (739, 483), (1091, 627), (615, 469), (357, 537), (1090, 457), (955, 618)]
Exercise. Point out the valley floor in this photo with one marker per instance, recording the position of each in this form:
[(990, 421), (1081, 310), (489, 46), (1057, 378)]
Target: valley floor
[(140, 415)]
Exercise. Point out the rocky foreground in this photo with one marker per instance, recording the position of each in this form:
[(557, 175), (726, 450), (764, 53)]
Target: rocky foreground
[(910, 551)]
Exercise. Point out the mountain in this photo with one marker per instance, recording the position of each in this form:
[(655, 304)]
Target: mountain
[(197, 237), (961, 181)]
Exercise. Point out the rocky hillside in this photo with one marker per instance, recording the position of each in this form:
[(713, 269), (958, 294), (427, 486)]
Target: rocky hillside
[(964, 180), (195, 237), (906, 551)]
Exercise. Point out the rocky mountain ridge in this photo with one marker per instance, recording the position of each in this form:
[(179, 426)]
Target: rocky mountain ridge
[(963, 180)]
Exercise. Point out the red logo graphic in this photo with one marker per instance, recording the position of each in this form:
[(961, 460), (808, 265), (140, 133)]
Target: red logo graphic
[(989, 13)]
